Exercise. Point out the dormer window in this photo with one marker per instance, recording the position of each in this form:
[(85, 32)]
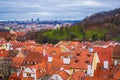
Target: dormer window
[(73, 47), (44, 70), (74, 71), (62, 57), (28, 74), (76, 60), (88, 55), (54, 52), (25, 62), (87, 61), (22, 68), (78, 54), (41, 71), (34, 63)]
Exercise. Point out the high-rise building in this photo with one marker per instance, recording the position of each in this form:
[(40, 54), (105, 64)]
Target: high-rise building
[(32, 20), (37, 20)]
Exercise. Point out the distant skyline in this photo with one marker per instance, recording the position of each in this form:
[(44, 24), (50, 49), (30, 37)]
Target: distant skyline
[(53, 9)]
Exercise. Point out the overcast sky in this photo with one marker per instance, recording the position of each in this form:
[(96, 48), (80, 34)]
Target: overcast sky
[(53, 9)]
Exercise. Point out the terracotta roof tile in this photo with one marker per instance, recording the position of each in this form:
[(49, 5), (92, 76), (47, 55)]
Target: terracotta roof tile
[(17, 62), (33, 58), (78, 75), (104, 54), (117, 75), (15, 76), (54, 66), (63, 74), (96, 78), (40, 69), (82, 60)]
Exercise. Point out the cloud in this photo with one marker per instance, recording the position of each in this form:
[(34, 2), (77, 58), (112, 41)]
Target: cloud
[(40, 13), (53, 9), (83, 3)]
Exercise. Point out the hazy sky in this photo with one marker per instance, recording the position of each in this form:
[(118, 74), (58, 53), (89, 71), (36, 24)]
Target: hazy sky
[(53, 9)]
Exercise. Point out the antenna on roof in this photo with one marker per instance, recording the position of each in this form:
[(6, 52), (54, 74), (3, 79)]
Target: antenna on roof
[(50, 59), (90, 50), (66, 60)]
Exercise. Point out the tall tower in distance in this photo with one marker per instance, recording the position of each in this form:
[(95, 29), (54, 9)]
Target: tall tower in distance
[(32, 20), (37, 20)]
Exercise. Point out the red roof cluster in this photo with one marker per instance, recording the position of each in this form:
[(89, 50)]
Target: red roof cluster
[(50, 60)]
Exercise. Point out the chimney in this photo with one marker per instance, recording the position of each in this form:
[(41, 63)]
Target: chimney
[(50, 58), (105, 46), (89, 70), (61, 57), (90, 50), (66, 60), (8, 46), (44, 52), (73, 47), (83, 47), (61, 68), (18, 73), (19, 49), (115, 62), (11, 48), (105, 64)]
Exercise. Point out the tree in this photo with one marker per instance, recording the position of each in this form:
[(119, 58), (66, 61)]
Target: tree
[(94, 37)]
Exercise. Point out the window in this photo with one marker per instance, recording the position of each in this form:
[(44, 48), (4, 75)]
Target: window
[(87, 61), (41, 71), (45, 70), (76, 61), (22, 68), (33, 63), (88, 55), (28, 74), (74, 71), (25, 62), (78, 54)]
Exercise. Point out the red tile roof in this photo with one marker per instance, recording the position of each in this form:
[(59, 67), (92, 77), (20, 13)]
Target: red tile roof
[(78, 75), (17, 62), (63, 74), (32, 58), (96, 78), (54, 66), (82, 60), (40, 69), (117, 75), (104, 54), (14, 76)]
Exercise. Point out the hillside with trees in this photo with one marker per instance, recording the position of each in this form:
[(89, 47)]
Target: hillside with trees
[(99, 26)]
